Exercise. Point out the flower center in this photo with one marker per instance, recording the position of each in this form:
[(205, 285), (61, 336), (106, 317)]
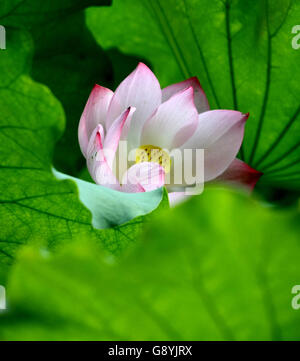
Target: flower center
[(151, 153)]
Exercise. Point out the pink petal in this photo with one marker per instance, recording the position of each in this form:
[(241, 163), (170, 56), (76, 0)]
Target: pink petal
[(113, 135), (132, 188), (97, 164), (200, 99), (240, 174), (173, 123), (220, 133), (143, 177), (94, 113), (176, 198), (141, 90)]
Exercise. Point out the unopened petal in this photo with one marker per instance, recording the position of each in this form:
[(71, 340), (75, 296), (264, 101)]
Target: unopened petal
[(97, 164), (173, 123), (240, 174), (176, 198), (220, 133), (200, 98), (94, 113), (141, 90), (145, 176), (114, 132)]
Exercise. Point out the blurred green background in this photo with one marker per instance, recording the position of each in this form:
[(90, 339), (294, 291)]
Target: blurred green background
[(221, 266)]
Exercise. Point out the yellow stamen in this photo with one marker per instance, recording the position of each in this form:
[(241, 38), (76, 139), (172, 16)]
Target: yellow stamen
[(151, 153)]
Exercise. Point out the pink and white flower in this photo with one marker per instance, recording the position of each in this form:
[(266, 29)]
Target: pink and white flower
[(152, 119)]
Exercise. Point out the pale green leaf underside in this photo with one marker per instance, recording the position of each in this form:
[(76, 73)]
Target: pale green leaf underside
[(109, 207)]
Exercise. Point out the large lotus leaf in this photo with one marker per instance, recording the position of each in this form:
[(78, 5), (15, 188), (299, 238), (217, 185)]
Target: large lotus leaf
[(220, 267), (243, 55), (34, 206)]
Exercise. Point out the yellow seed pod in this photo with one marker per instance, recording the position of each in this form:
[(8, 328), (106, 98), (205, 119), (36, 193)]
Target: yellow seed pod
[(155, 154)]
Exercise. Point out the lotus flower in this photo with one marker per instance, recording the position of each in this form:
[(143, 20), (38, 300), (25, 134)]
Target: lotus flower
[(152, 119)]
